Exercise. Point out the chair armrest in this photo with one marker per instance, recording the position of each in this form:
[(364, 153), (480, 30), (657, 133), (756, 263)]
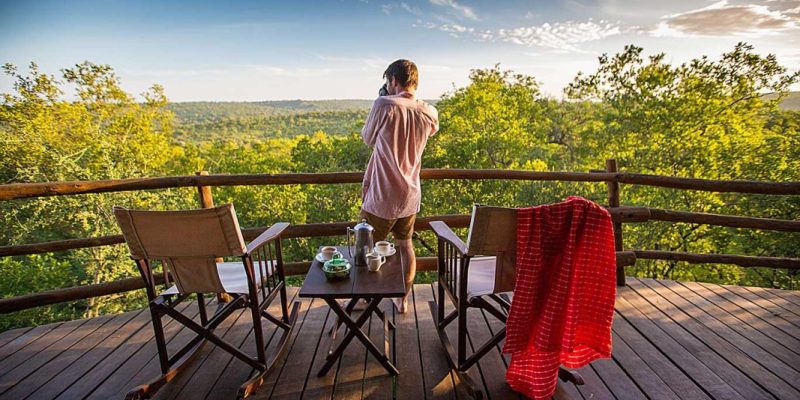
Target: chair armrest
[(443, 232), (270, 234)]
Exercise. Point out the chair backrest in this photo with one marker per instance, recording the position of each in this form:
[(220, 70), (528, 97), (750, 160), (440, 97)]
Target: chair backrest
[(493, 232), (188, 242)]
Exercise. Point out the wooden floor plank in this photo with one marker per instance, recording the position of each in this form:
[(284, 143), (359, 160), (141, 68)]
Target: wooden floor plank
[(724, 359), (202, 383), (103, 370), (594, 388), (236, 372), (271, 378), (724, 322), (321, 387), (671, 340), (567, 392), (438, 379), (45, 348), (790, 295), (32, 362), (153, 369), (407, 352), (649, 383), (198, 378), (492, 366), (768, 371), (779, 300), (741, 318), (656, 375), (493, 326), (762, 311), (350, 374), (473, 372), (9, 335), (26, 338), (792, 320), (617, 380), (99, 346), (107, 369), (379, 384), (728, 302), (461, 389), (685, 360), (118, 381), (292, 377)]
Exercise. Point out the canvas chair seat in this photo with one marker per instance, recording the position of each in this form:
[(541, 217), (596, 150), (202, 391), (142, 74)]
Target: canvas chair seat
[(232, 277), (480, 279)]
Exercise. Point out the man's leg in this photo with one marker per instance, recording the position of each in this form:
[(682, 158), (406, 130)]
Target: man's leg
[(409, 261), (403, 232)]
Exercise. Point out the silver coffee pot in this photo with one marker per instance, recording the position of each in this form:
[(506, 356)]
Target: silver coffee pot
[(362, 241)]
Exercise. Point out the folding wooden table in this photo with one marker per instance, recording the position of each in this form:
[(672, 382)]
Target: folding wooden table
[(388, 282)]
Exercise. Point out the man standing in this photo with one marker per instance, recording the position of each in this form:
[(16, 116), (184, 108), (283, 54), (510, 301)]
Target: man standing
[(397, 129)]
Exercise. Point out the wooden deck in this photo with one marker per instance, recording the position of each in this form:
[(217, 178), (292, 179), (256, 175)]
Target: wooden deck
[(671, 340)]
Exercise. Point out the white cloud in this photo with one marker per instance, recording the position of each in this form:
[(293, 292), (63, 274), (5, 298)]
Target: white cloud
[(412, 10), (466, 12), (723, 19), (563, 36), (455, 28), (387, 8), (787, 7), (560, 35)]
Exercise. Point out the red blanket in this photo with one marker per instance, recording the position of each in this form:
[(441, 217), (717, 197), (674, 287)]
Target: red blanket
[(564, 294)]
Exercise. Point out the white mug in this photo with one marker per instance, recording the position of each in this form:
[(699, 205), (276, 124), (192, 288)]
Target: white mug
[(374, 261), (383, 247), (328, 252)]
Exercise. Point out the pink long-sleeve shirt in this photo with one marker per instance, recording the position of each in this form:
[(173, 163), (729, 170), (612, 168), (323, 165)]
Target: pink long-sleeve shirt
[(397, 128)]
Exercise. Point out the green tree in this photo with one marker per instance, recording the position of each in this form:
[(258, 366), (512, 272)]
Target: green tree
[(104, 133), (705, 119)]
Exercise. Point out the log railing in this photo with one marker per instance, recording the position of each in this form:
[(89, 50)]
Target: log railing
[(25, 190), (204, 183)]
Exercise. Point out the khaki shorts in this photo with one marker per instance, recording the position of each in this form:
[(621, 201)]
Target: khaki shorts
[(402, 228)]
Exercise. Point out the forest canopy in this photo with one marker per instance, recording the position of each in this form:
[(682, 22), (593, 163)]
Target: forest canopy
[(707, 118)]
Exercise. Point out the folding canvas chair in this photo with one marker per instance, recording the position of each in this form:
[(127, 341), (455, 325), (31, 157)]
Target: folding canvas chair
[(486, 263), (187, 243)]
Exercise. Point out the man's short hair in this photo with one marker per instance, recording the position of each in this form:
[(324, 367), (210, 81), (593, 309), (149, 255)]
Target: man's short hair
[(404, 71)]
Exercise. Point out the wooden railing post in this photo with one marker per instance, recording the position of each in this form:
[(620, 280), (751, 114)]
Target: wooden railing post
[(207, 201), (613, 202)]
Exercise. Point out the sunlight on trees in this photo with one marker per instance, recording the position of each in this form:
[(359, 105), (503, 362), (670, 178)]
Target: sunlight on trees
[(705, 118)]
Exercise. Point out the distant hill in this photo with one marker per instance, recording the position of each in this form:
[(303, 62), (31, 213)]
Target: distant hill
[(243, 128), (242, 122), (790, 102), (203, 112)]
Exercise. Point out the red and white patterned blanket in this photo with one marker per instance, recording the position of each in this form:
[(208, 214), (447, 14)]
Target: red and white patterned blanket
[(563, 301)]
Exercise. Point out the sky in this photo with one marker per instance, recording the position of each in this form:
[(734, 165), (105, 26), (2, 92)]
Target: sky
[(338, 49)]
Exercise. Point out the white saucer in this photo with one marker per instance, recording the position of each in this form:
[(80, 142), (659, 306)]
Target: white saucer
[(390, 253)]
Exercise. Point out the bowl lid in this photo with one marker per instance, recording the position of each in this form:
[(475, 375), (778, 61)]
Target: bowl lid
[(336, 263)]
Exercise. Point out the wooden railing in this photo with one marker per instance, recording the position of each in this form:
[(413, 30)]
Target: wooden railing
[(204, 182)]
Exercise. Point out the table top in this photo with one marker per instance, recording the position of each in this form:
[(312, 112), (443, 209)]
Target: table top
[(389, 281)]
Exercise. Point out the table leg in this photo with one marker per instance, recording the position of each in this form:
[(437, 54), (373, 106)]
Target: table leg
[(349, 309), (355, 331), (382, 316)]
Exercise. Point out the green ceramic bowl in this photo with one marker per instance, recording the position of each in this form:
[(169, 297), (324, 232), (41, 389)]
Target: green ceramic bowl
[(336, 268)]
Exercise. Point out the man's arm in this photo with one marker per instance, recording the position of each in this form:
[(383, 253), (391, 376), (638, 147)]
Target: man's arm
[(435, 117), (373, 123)]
